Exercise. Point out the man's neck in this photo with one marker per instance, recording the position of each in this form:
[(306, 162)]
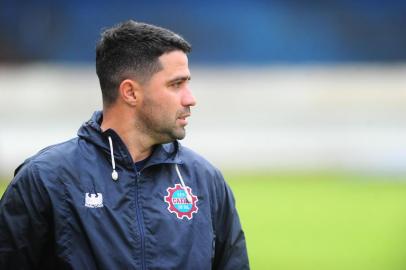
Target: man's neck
[(138, 144)]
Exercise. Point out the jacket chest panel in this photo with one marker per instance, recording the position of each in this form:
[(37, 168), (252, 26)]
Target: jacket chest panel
[(165, 229)]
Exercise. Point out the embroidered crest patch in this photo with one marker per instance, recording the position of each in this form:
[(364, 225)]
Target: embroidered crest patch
[(93, 200), (178, 202)]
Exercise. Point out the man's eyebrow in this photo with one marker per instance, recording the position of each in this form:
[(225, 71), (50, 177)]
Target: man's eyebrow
[(180, 79)]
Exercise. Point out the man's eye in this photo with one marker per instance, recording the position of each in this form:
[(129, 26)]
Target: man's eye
[(177, 84)]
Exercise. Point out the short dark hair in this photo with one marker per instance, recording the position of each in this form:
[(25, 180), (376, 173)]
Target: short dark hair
[(131, 50)]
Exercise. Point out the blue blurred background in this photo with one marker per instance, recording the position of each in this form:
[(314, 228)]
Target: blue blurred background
[(222, 32)]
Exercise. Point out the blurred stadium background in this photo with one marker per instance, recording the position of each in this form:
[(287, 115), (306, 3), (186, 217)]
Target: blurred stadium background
[(301, 103)]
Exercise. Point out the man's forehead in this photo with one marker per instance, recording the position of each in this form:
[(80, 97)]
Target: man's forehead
[(174, 59), (174, 64)]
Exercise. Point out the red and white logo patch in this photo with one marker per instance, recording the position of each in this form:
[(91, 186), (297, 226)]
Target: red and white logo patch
[(178, 203)]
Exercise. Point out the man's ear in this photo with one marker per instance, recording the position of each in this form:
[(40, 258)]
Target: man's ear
[(129, 91)]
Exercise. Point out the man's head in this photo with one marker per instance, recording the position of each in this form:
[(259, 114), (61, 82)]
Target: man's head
[(131, 50), (144, 77)]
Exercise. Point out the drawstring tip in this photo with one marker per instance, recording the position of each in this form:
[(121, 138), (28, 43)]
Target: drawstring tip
[(114, 175), (189, 198)]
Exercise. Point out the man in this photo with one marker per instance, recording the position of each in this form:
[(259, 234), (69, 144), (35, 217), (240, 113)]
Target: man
[(125, 194)]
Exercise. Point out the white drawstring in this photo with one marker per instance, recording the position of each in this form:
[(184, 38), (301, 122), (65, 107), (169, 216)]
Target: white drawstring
[(114, 174), (188, 197)]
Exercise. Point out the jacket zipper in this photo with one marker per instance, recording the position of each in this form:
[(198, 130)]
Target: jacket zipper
[(140, 223)]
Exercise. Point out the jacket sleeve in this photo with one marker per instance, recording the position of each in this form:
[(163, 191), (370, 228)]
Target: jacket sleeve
[(230, 246), (24, 220)]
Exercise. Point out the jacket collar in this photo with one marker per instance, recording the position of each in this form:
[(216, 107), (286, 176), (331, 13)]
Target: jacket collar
[(91, 132)]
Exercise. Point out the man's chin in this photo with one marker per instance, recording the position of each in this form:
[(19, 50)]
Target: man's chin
[(179, 135)]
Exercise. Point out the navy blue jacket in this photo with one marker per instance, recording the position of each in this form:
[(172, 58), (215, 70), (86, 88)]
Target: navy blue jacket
[(63, 210)]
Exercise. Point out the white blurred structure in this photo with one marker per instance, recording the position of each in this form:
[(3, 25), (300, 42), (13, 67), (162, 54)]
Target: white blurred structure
[(301, 117)]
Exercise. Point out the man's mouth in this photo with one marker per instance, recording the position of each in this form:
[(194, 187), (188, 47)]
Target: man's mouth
[(182, 119), (184, 116)]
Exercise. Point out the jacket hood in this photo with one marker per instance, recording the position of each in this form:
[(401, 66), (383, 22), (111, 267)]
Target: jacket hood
[(92, 133)]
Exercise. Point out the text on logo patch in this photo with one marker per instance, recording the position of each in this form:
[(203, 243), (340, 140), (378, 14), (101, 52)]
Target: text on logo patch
[(178, 203)]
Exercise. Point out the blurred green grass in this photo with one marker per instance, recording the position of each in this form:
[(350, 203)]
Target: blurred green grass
[(296, 221), (326, 221)]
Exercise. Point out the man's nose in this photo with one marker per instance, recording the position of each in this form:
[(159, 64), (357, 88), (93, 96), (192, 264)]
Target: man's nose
[(188, 99)]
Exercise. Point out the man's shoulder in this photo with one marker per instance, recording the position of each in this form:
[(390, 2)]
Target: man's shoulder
[(57, 151), (43, 167), (52, 156)]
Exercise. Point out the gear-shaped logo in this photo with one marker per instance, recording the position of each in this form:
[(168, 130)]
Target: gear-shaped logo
[(178, 202)]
